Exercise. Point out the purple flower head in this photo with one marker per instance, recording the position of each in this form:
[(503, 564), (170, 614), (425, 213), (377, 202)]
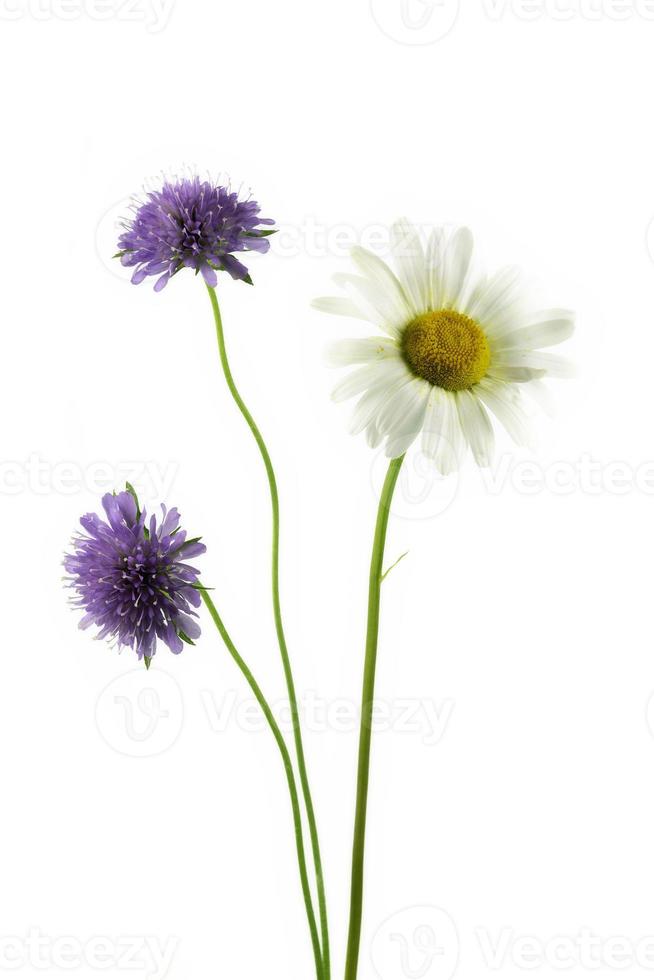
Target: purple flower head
[(131, 578), (191, 223)]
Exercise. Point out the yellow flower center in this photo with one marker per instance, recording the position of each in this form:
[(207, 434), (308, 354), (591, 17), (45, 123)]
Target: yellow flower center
[(447, 349)]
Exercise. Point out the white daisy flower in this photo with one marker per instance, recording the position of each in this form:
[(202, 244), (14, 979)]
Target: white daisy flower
[(456, 345)]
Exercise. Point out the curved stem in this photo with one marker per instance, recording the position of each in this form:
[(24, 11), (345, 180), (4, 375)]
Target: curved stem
[(279, 628), (365, 734), (290, 775)]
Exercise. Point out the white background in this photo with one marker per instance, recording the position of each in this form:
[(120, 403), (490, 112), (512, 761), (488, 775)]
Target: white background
[(145, 806)]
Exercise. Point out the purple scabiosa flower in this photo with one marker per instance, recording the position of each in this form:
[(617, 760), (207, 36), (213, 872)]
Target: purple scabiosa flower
[(191, 223), (131, 578)]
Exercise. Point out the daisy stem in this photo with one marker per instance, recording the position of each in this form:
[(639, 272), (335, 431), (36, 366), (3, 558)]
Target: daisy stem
[(290, 776), (279, 628), (367, 701)]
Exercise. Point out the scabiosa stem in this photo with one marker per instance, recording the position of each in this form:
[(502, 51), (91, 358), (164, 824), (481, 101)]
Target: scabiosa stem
[(279, 627), (367, 700), (290, 776)]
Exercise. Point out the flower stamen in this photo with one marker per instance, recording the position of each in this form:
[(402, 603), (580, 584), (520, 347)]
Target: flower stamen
[(446, 348)]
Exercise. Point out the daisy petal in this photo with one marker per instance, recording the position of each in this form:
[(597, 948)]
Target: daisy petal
[(383, 279), (434, 268), (338, 305), (432, 427), (373, 400), (477, 427), (540, 361), (442, 436), (404, 431), (400, 444), (552, 327), (373, 436), (375, 305), (506, 406), (410, 260), (514, 373), (492, 295), (343, 353), (394, 411), (541, 395), (458, 256), (356, 382)]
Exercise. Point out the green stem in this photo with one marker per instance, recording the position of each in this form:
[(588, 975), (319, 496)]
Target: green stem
[(365, 734), (279, 628), (290, 776)]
